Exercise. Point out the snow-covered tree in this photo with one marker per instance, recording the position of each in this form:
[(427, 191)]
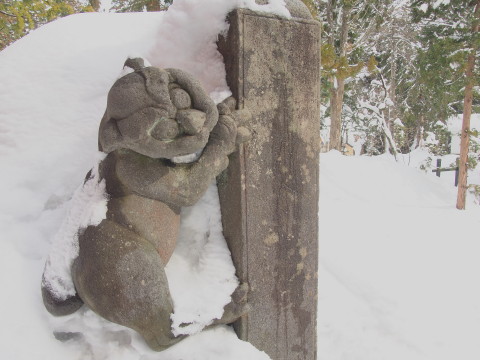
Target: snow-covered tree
[(451, 40), (338, 60), (140, 5), (390, 44), (367, 46)]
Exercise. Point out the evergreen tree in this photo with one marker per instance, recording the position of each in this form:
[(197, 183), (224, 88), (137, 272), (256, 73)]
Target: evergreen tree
[(445, 40), (389, 43), (338, 61), (18, 18), (140, 5), (451, 42), (355, 35)]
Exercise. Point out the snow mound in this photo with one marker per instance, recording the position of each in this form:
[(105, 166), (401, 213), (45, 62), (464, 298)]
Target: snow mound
[(88, 206), (196, 25)]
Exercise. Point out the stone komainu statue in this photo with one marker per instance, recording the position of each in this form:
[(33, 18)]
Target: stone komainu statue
[(153, 117)]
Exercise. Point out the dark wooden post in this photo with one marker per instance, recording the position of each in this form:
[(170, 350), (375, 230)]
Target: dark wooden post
[(269, 194), (439, 165), (457, 171)]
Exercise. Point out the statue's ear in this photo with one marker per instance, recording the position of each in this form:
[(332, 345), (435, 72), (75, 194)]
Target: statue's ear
[(135, 64), (156, 85), (109, 137)]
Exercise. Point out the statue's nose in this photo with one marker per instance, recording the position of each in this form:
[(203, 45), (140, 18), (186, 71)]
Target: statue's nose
[(188, 122), (191, 120)]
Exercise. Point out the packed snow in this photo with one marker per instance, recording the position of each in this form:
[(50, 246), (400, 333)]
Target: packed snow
[(88, 206), (397, 261), (454, 125)]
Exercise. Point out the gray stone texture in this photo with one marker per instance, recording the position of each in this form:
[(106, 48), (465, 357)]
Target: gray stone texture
[(151, 116), (191, 120), (139, 108), (269, 193), (180, 98), (60, 307)]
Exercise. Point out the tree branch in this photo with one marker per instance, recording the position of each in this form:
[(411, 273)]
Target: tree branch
[(6, 14)]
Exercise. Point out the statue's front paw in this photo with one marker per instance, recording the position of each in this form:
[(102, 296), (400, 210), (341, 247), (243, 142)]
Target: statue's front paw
[(240, 294), (224, 134), (243, 135), (237, 308), (236, 119)]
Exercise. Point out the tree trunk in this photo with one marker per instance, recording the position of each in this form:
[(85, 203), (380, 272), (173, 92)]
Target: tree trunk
[(465, 135), (338, 90), (336, 103), (330, 22), (95, 4), (153, 5), (418, 133), (392, 90), (467, 112)]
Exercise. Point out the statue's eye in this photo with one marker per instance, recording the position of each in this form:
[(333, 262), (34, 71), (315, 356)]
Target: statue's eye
[(180, 99), (165, 129)]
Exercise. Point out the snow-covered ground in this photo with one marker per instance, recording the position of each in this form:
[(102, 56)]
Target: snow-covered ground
[(398, 263), (454, 125)]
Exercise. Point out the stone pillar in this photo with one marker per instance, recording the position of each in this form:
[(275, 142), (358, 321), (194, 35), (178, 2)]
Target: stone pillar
[(269, 194)]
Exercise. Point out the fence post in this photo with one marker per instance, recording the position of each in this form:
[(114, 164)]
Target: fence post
[(439, 165), (457, 171)]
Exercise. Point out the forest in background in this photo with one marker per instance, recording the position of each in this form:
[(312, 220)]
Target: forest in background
[(394, 71)]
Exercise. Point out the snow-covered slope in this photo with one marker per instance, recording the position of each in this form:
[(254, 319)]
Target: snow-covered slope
[(398, 263)]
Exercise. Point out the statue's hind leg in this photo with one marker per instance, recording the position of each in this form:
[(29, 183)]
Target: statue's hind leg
[(121, 277), (60, 307)]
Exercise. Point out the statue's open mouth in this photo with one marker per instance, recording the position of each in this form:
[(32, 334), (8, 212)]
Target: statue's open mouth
[(185, 159)]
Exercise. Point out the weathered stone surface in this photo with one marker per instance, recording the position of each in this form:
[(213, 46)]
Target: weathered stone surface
[(138, 102), (60, 307), (269, 193), (191, 120), (153, 220), (165, 129), (119, 272), (120, 276), (180, 99)]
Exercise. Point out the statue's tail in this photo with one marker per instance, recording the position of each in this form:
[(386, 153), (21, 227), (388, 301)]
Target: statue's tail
[(60, 307)]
